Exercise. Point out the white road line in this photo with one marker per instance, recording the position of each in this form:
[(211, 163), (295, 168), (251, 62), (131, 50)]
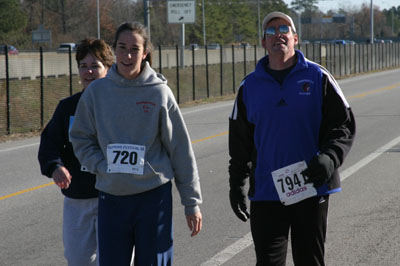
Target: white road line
[(369, 158), (230, 103), (20, 147), (232, 250)]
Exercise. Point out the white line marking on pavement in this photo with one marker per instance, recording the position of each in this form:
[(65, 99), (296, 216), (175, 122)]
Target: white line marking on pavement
[(230, 103), (232, 250), (20, 147), (369, 158)]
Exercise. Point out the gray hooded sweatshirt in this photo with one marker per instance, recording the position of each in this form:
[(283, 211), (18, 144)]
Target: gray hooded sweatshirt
[(135, 125)]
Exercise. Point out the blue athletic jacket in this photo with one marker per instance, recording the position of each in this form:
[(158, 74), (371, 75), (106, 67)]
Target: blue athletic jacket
[(55, 150), (274, 125)]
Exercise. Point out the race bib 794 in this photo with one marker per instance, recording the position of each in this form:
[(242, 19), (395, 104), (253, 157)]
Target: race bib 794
[(290, 183)]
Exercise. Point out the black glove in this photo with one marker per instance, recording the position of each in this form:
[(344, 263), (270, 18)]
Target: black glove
[(237, 196), (319, 170)]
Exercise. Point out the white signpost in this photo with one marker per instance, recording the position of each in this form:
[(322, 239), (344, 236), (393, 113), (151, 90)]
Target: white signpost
[(181, 12)]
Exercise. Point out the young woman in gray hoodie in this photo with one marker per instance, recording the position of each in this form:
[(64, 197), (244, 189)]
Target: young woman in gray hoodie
[(129, 131)]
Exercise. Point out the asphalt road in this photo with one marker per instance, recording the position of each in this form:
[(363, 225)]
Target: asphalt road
[(364, 219)]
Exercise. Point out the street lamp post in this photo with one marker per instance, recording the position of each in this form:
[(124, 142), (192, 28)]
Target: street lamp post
[(372, 22), (98, 20), (146, 7), (392, 22), (259, 22), (204, 23), (298, 24)]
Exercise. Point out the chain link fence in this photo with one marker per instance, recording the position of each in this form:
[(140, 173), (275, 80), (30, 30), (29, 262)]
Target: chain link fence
[(32, 83)]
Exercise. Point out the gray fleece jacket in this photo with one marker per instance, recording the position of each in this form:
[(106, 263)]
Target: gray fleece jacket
[(114, 113)]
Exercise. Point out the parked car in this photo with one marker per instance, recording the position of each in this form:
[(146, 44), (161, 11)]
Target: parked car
[(64, 47), (214, 46), (350, 42), (194, 46), (245, 45), (11, 49), (339, 42), (375, 41)]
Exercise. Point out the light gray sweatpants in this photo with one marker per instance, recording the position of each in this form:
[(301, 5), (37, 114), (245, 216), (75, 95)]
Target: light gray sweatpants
[(80, 231)]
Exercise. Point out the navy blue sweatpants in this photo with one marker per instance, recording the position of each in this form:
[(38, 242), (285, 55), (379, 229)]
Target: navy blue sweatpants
[(143, 221)]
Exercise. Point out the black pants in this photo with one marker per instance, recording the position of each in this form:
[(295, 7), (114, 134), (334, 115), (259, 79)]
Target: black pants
[(307, 220)]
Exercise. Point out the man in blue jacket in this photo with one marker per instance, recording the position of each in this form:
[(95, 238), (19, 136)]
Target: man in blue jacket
[(290, 130)]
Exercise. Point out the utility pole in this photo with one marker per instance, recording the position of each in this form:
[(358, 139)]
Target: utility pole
[(146, 12), (299, 17), (204, 24), (259, 22), (372, 22), (298, 13), (392, 21), (98, 20)]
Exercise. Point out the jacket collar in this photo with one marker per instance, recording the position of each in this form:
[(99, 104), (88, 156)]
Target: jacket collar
[(300, 64), (147, 77)]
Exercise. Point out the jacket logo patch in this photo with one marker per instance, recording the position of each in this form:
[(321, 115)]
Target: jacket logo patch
[(305, 87), (146, 106)]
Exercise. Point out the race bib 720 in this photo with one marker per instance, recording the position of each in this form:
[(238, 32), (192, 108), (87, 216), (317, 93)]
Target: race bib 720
[(125, 158)]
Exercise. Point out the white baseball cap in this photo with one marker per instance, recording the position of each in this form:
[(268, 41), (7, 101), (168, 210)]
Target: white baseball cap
[(277, 14)]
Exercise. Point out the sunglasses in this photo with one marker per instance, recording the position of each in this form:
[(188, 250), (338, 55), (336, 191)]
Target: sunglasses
[(282, 29)]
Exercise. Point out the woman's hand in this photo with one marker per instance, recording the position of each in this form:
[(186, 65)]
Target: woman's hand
[(194, 222), (62, 177)]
